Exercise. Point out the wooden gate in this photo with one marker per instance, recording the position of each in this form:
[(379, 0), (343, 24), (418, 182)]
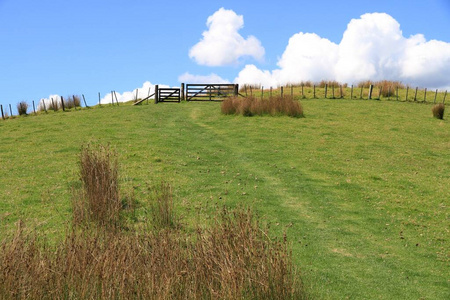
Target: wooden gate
[(210, 92), (168, 95)]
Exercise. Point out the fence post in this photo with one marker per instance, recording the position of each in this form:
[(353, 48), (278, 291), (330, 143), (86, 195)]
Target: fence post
[(236, 90), (245, 90), (332, 90), (99, 103), (407, 90), (435, 96), (3, 115), (84, 99), (360, 94), (112, 98), (425, 96), (45, 108), (55, 108), (137, 92), (389, 93), (326, 88), (271, 92), (370, 92), (62, 103), (10, 110), (397, 92), (351, 93), (34, 108), (292, 91), (156, 93), (251, 91), (262, 92), (281, 92), (314, 91), (303, 95), (340, 89), (445, 95), (182, 91), (115, 95), (415, 95)]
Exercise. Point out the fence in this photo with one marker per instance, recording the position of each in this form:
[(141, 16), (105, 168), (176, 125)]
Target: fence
[(217, 92)]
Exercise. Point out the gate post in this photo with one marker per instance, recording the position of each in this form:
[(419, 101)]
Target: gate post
[(236, 89), (182, 92), (156, 94)]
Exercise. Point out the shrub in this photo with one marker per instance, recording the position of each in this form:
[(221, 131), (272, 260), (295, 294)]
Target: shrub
[(22, 108), (438, 111)]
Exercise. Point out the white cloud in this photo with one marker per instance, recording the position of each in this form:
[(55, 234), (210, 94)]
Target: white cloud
[(211, 78), (373, 47), (222, 44)]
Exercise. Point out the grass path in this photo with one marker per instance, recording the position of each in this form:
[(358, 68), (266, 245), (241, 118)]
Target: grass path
[(360, 187)]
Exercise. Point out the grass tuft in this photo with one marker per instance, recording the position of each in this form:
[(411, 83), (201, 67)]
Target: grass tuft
[(438, 111), (250, 106), (22, 108)]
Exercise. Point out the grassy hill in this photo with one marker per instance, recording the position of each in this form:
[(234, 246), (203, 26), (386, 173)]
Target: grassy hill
[(360, 187)]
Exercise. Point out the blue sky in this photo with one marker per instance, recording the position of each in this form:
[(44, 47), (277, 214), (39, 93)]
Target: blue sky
[(85, 47)]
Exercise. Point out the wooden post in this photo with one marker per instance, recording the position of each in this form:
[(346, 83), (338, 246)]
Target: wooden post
[(210, 92), (3, 115), (340, 89), (137, 92), (251, 91), (34, 108), (303, 95), (236, 90), (435, 96), (332, 90), (370, 92), (43, 103), (84, 99), (281, 92), (245, 89), (99, 103), (425, 96), (10, 110), (415, 95), (292, 91), (314, 91), (115, 95), (156, 94), (262, 92), (62, 102), (55, 108), (74, 103), (181, 90), (407, 89), (389, 93), (270, 92), (360, 94), (445, 95), (351, 93), (397, 92), (326, 87), (112, 98)]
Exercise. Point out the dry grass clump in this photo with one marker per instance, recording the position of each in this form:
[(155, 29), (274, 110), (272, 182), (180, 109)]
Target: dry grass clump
[(99, 199), (330, 84), (162, 208), (250, 106), (438, 111), (22, 108), (388, 87), (72, 102), (235, 258)]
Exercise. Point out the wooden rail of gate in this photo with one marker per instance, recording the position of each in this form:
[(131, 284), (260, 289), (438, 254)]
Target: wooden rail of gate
[(210, 92), (168, 95)]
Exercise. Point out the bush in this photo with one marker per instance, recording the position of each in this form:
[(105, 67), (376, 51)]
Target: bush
[(22, 108), (438, 111)]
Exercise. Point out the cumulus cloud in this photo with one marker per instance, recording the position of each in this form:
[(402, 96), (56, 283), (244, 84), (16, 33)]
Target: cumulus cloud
[(222, 44), (372, 47), (211, 78)]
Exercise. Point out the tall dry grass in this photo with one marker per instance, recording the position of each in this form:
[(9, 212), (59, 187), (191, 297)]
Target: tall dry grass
[(438, 111), (251, 106), (22, 108), (234, 258)]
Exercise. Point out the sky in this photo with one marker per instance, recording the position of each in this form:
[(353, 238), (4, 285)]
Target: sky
[(60, 48)]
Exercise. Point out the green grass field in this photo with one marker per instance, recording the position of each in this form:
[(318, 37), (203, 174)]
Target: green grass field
[(360, 187)]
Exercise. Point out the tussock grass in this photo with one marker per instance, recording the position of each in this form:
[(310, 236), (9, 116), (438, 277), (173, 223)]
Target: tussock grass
[(438, 111), (99, 200), (250, 106), (73, 101), (22, 108), (234, 258)]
